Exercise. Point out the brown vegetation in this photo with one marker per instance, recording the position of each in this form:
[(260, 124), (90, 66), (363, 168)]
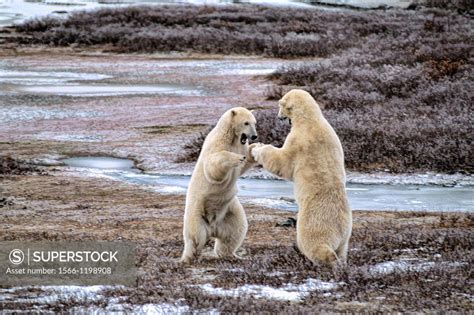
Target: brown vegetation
[(10, 166), (437, 250), (399, 100)]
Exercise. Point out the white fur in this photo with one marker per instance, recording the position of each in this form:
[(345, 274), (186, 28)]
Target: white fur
[(212, 208), (312, 157)]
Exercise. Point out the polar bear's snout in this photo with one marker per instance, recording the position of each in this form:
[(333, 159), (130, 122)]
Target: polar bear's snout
[(250, 133), (281, 115), (253, 133), (252, 136)]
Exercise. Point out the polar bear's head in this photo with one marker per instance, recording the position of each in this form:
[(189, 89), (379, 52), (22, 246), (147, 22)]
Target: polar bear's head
[(243, 124), (297, 103)]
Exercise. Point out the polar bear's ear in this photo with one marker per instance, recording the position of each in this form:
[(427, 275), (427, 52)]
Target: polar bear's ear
[(252, 111), (233, 113)]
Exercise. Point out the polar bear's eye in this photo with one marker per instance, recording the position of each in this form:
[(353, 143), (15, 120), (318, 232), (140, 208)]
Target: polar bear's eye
[(246, 123)]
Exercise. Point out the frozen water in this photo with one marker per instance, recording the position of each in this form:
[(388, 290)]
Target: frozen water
[(99, 162), (90, 90), (71, 84), (45, 78), (279, 194)]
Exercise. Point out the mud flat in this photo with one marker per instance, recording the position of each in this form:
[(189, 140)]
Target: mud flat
[(62, 103)]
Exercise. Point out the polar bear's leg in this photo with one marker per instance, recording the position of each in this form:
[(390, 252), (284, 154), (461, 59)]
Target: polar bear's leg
[(323, 253), (218, 165), (231, 231), (342, 252), (195, 237), (315, 250), (275, 160)]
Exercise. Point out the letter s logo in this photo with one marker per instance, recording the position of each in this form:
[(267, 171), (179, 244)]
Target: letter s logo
[(16, 256)]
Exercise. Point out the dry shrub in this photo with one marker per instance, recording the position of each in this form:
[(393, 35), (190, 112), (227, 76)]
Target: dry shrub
[(192, 147), (442, 285), (459, 5), (438, 247), (10, 166), (401, 102), (254, 30), (437, 69)]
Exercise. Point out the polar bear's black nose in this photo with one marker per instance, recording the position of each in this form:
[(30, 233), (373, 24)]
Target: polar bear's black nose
[(254, 137)]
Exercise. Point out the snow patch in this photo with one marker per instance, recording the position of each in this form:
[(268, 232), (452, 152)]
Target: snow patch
[(405, 265), (53, 293), (170, 190), (288, 292), (160, 309), (274, 203)]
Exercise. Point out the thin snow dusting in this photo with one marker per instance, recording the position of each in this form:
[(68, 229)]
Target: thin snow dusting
[(405, 265), (54, 293), (81, 294), (370, 4), (46, 78), (288, 292), (68, 137), (163, 308), (20, 113), (429, 178), (116, 307)]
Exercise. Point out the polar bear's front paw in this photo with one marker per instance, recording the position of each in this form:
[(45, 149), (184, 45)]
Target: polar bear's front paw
[(250, 157), (238, 160), (242, 160), (257, 152)]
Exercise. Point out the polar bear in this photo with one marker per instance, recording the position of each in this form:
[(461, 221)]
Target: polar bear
[(312, 157), (212, 208)]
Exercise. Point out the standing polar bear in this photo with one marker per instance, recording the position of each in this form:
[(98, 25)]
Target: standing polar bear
[(212, 208), (312, 157)]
